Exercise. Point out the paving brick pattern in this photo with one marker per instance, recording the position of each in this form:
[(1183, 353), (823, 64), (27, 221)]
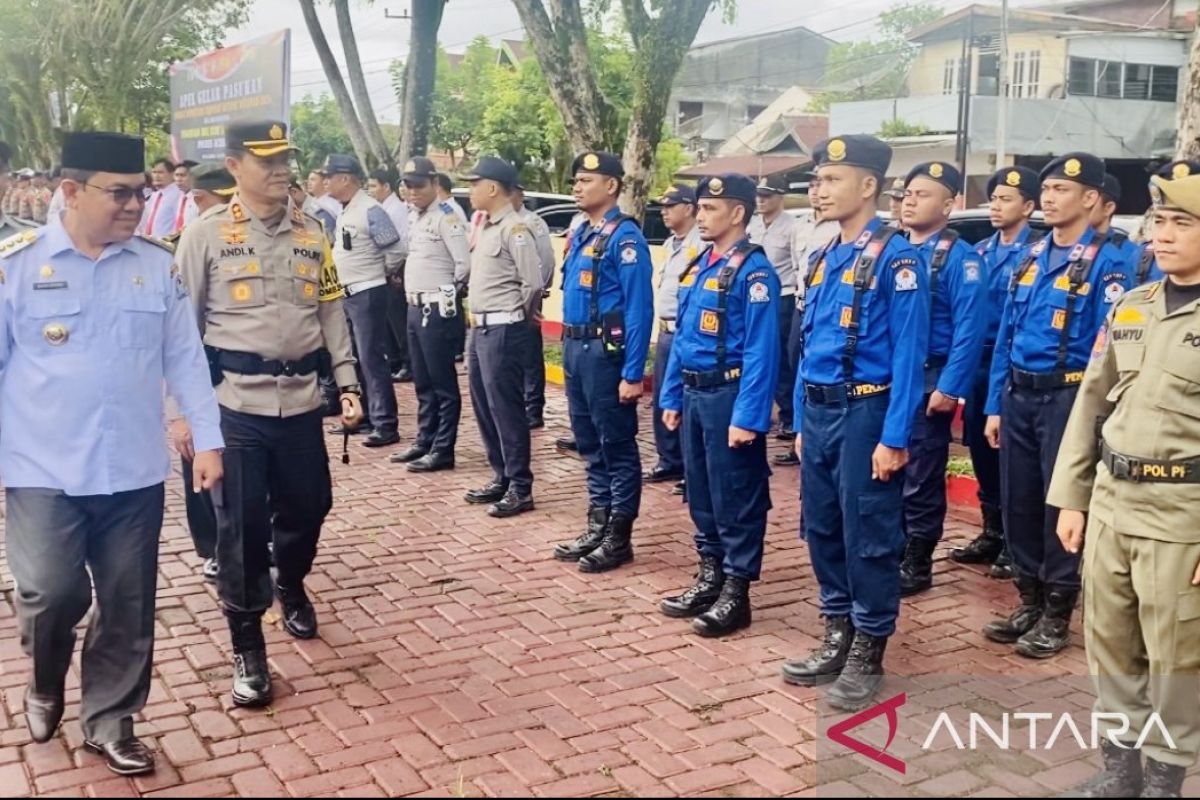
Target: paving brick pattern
[(457, 658)]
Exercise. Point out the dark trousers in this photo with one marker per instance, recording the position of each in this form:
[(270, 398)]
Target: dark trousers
[(853, 523), (925, 475), (439, 402), (397, 312), (59, 547), (201, 518), (787, 364), (728, 490), (276, 488), (460, 328), (666, 441), (496, 378), (367, 312), (984, 458), (535, 375), (1031, 431), (605, 429)]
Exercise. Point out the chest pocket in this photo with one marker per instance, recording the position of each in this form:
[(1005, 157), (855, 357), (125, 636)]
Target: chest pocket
[(306, 276), (1179, 384), (50, 322), (844, 297), (246, 291), (142, 314), (1057, 311)]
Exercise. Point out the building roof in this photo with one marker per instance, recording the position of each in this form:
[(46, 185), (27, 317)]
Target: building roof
[(782, 120), (699, 48), (515, 49), (986, 19), (753, 165)]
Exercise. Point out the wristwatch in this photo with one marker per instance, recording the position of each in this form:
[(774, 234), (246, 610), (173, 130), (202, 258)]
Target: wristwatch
[(353, 388)]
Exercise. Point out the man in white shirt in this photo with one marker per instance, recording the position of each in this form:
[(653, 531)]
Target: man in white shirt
[(381, 186), (318, 189), (446, 195), (164, 214)]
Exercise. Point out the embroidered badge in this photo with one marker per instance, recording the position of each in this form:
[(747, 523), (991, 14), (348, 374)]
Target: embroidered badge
[(970, 272), (709, 322), (628, 255), (847, 315), (759, 293), (1060, 319), (906, 280), (585, 279), (1113, 292)]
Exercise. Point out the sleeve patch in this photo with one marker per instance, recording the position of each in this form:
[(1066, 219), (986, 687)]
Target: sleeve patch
[(1113, 292), (906, 280), (971, 271), (1101, 345), (629, 255), (757, 275), (759, 293)]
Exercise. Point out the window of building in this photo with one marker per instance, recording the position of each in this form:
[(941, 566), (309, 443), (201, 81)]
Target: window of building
[(1137, 81), (950, 76), (689, 110), (1026, 73), (1108, 78), (1081, 77), (1164, 84), (989, 75), (1090, 78)]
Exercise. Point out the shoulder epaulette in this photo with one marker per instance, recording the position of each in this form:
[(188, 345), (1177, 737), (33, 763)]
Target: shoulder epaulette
[(18, 242), (160, 243), (445, 206)]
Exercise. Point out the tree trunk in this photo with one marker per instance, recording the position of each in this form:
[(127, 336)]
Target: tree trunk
[(1187, 144), (358, 83), (333, 74), (420, 76)]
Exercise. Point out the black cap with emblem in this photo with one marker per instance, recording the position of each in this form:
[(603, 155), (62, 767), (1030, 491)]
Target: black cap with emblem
[(1023, 179), (1083, 168), (857, 150), (213, 178), (600, 164), (731, 186), (338, 164), (494, 168), (99, 151), (678, 194), (1112, 188), (264, 138), (419, 169), (772, 185), (1181, 168), (941, 172)]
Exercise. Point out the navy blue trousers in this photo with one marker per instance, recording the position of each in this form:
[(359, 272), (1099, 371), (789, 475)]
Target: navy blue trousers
[(728, 490), (496, 379), (666, 441), (788, 363), (1031, 431), (925, 475), (853, 523), (435, 378), (605, 429), (984, 458)]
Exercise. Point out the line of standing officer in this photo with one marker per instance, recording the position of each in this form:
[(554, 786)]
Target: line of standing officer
[(957, 326), (535, 357), (719, 385), (608, 310), (435, 275), (8, 225), (1058, 298), (866, 338)]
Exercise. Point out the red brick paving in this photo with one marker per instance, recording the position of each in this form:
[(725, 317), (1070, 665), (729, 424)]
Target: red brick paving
[(458, 658)]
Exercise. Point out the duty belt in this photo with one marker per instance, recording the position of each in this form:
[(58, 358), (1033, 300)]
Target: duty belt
[(582, 332), (254, 364), (666, 326), (490, 319), (1040, 381), (362, 286), (424, 298), (707, 379), (838, 393), (1145, 470)]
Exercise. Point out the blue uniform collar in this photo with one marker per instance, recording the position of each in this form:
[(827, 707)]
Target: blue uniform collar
[(58, 241), (1074, 251), (1022, 238)]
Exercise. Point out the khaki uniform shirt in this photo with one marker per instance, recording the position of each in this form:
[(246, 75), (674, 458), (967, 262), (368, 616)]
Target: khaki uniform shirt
[(680, 253), (776, 241), (1144, 380), (438, 251), (506, 274), (541, 240), (274, 293)]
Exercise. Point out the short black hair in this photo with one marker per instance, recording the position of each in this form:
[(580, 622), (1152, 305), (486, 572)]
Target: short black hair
[(384, 176), (78, 175), (443, 180), (168, 162)]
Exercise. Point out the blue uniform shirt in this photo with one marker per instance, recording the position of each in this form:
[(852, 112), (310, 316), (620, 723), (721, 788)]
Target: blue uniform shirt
[(85, 350), (999, 261), (1129, 250), (625, 283), (959, 319), (893, 336), (1035, 310), (751, 335)]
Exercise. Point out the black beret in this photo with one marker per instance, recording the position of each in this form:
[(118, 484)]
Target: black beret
[(1112, 188), (772, 184), (419, 168), (731, 186), (494, 168), (104, 152), (338, 164), (677, 194), (263, 138), (1083, 168), (599, 163), (1181, 168), (945, 174), (213, 178), (1023, 179), (858, 150)]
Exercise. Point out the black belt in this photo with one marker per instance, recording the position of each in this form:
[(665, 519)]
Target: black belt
[(837, 393), (1041, 381), (254, 364), (936, 362), (710, 378), (582, 332), (1146, 470)]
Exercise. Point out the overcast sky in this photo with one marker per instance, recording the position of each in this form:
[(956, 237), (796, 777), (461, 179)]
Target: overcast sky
[(380, 39)]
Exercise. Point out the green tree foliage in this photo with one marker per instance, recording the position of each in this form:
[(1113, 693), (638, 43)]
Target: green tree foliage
[(894, 128), (318, 130)]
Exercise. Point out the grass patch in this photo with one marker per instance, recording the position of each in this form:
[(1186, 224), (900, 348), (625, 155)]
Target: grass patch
[(552, 353), (960, 467)]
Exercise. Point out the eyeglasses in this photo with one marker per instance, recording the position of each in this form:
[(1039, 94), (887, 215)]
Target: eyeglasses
[(121, 195)]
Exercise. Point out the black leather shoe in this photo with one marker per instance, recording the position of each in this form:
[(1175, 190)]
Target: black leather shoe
[(210, 570), (614, 551), (1022, 620), (1052, 633), (786, 435), (381, 439), (299, 616), (1003, 569), (1162, 780), (43, 713), (916, 570), (492, 493), (431, 462), (662, 475), (985, 549), (566, 443), (510, 505), (731, 611), (402, 375), (341, 430), (862, 676), (788, 459), (824, 664), (1122, 775), (710, 579), (680, 489), (587, 541), (411, 454), (126, 757), (251, 679), (535, 421)]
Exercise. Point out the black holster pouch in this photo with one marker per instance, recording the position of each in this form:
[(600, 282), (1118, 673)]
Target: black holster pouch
[(213, 356), (612, 333)]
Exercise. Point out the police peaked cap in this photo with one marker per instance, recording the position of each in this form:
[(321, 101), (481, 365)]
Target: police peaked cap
[(1181, 193), (730, 186), (1023, 179), (494, 168), (419, 168), (772, 185), (945, 174), (678, 194), (264, 138), (213, 178), (1083, 168), (857, 150)]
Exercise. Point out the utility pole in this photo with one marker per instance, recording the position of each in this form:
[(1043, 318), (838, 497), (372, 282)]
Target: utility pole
[(964, 99), (1002, 99)]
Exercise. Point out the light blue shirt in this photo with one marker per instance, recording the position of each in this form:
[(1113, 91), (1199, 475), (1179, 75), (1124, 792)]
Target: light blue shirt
[(85, 351)]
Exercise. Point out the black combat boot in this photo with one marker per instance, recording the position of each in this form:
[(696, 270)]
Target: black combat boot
[(251, 677), (615, 550), (587, 541), (731, 611), (1163, 780), (1003, 569), (988, 545), (916, 570), (862, 676), (1121, 776), (1021, 621), (299, 617), (1053, 631), (698, 599), (824, 664)]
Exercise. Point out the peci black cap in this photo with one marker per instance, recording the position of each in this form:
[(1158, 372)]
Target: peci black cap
[(678, 194), (339, 164), (1023, 179), (419, 169), (941, 172), (605, 164), (263, 138), (494, 168), (99, 151), (213, 178), (1083, 168), (858, 150), (1181, 168), (1112, 188), (772, 185), (730, 186)]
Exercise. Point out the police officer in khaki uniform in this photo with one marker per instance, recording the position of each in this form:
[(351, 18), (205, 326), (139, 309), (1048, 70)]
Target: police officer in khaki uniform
[(268, 302), (8, 225), (535, 358), (1137, 490)]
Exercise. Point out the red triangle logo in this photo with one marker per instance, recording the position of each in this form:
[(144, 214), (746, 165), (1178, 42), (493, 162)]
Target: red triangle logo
[(838, 732)]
